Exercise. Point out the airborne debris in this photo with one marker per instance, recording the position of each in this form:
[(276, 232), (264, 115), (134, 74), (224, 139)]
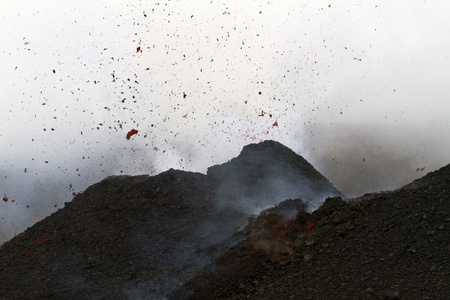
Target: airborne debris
[(131, 133)]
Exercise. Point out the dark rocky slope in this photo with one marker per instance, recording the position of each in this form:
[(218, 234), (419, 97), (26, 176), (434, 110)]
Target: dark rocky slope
[(142, 237), (391, 245)]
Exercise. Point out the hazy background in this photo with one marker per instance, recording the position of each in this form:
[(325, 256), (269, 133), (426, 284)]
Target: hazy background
[(359, 88)]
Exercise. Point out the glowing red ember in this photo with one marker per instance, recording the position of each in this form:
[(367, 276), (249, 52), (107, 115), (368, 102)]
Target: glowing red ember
[(131, 133), (309, 224)]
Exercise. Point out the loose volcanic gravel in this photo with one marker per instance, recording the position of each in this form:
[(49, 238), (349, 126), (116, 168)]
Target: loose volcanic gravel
[(143, 237), (391, 245), (185, 235)]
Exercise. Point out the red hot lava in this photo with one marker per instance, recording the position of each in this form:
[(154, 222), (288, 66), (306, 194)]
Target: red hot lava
[(131, 133)]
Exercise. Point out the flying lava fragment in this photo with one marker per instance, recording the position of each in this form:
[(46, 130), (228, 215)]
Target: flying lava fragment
[(131, 133), (275, 124)]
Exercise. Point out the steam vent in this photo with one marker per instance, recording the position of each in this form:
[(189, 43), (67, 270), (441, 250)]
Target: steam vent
[(245, 230)]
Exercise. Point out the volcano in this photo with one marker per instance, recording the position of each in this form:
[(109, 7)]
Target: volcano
[(265, 225), (142, 237)]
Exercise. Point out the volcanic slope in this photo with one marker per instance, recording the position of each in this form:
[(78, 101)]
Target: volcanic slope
[(390, 245), (141, 237)]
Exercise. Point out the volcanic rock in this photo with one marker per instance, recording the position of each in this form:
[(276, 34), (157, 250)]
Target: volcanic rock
[(391, 245), (142, 237)]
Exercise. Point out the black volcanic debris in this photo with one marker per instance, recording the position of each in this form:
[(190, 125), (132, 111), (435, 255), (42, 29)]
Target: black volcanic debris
[(395, 245), (246, 229), (124, 235), (144, 236)]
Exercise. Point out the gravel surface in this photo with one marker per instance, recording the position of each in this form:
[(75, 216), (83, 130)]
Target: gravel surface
[(143, 237), (391, 245), (189, 235)]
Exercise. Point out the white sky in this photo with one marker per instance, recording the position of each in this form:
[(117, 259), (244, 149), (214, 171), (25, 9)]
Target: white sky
[(73, 83)]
